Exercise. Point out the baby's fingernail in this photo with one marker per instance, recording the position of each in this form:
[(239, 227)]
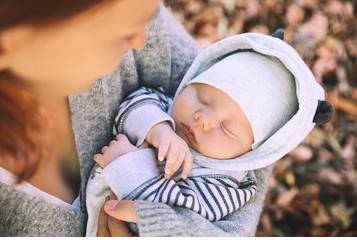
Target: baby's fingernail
[(161, 158), (110, 205)]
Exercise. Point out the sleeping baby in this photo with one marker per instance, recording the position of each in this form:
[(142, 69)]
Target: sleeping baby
[(234, 112)]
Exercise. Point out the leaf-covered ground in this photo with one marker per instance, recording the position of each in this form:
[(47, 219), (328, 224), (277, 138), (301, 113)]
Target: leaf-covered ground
[(314, 188)]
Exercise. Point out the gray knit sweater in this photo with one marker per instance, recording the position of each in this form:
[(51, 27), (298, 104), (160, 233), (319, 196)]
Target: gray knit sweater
[(163, 62)]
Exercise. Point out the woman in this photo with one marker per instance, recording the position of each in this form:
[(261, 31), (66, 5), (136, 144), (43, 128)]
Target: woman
[(52, 50)]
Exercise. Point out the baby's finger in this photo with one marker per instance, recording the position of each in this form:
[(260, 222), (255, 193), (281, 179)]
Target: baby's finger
[(170, 162), (174, 162), (187, 165), (120, 137), (163, 150), (99, 159), (104, 149), (112, 142)]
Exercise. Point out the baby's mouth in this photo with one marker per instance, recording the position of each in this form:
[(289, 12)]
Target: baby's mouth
[(188, 133)]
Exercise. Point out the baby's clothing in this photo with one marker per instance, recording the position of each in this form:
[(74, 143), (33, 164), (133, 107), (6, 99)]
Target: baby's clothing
[(212, 193)]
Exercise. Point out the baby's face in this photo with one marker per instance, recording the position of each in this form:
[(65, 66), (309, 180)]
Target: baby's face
[(211, 122)]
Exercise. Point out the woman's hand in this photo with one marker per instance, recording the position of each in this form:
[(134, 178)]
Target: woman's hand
[(109, 226), (123, 210)]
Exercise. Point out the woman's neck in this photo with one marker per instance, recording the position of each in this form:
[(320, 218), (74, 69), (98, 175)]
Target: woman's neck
[(59, 175)]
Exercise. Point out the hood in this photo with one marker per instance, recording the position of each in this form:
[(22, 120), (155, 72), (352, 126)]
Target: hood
[(309, 93)]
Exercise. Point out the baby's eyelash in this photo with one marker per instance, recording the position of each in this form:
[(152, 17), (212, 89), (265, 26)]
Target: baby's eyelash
[(229, 133)]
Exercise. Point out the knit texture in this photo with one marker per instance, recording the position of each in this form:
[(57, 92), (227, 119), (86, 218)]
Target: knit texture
[(161, 220)]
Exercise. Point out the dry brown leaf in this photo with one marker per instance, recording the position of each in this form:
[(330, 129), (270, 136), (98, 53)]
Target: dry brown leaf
[(308, 3), (301, 154), (316, 28), (316, 137), (290, 178), (259, 29), (267, 224), (321, 217), (252, 8), (342, 214), (294, 15), (331, 175), (344, 105), (285, 198)]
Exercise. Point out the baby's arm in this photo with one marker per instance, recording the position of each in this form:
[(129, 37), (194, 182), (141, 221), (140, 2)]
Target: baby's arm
[(115, 149), (140, 111), (143, 116)]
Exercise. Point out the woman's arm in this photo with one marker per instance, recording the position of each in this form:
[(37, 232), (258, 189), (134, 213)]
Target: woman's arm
[(161, 220)]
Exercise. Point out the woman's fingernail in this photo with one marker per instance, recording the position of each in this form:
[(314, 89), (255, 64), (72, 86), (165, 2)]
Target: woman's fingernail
[(110, 205)]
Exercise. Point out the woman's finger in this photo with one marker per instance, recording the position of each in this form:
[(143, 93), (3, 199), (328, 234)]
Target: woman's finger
[(103, 230), (118, 228), (122, 210)]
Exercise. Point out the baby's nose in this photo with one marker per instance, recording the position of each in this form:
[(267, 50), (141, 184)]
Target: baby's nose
[(204, 121)]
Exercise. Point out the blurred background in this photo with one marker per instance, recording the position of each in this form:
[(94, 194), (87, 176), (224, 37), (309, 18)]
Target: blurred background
[(314, 188)]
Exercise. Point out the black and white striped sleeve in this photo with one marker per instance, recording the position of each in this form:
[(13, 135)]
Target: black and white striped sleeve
[(211, 196), (140, 111)]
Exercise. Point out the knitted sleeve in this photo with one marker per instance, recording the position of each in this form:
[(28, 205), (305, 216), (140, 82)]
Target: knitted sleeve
[(159, 219)]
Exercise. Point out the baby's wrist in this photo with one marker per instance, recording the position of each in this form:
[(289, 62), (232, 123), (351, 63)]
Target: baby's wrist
[(156, 130)]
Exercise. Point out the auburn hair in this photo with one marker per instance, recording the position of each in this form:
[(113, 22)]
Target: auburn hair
[(25, 130)]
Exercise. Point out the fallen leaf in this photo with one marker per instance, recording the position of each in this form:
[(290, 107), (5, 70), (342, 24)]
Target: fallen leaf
[(286, 197), (316, 28), (331, 176), (301, 154), (341, 214), (321, 217)]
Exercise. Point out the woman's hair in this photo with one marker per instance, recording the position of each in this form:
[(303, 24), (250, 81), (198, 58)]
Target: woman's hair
[(24, 125)]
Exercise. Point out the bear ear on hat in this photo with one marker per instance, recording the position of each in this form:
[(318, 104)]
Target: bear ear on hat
[(324, 112), (279, 33)]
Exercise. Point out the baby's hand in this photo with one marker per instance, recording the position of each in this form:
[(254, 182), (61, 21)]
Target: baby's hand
[(171, 147), (120, 146)]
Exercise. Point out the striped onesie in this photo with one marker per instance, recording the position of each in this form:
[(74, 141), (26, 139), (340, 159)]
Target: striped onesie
[(212, 193)]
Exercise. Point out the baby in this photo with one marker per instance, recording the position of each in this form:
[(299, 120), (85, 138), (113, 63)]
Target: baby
[(235, 111)]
